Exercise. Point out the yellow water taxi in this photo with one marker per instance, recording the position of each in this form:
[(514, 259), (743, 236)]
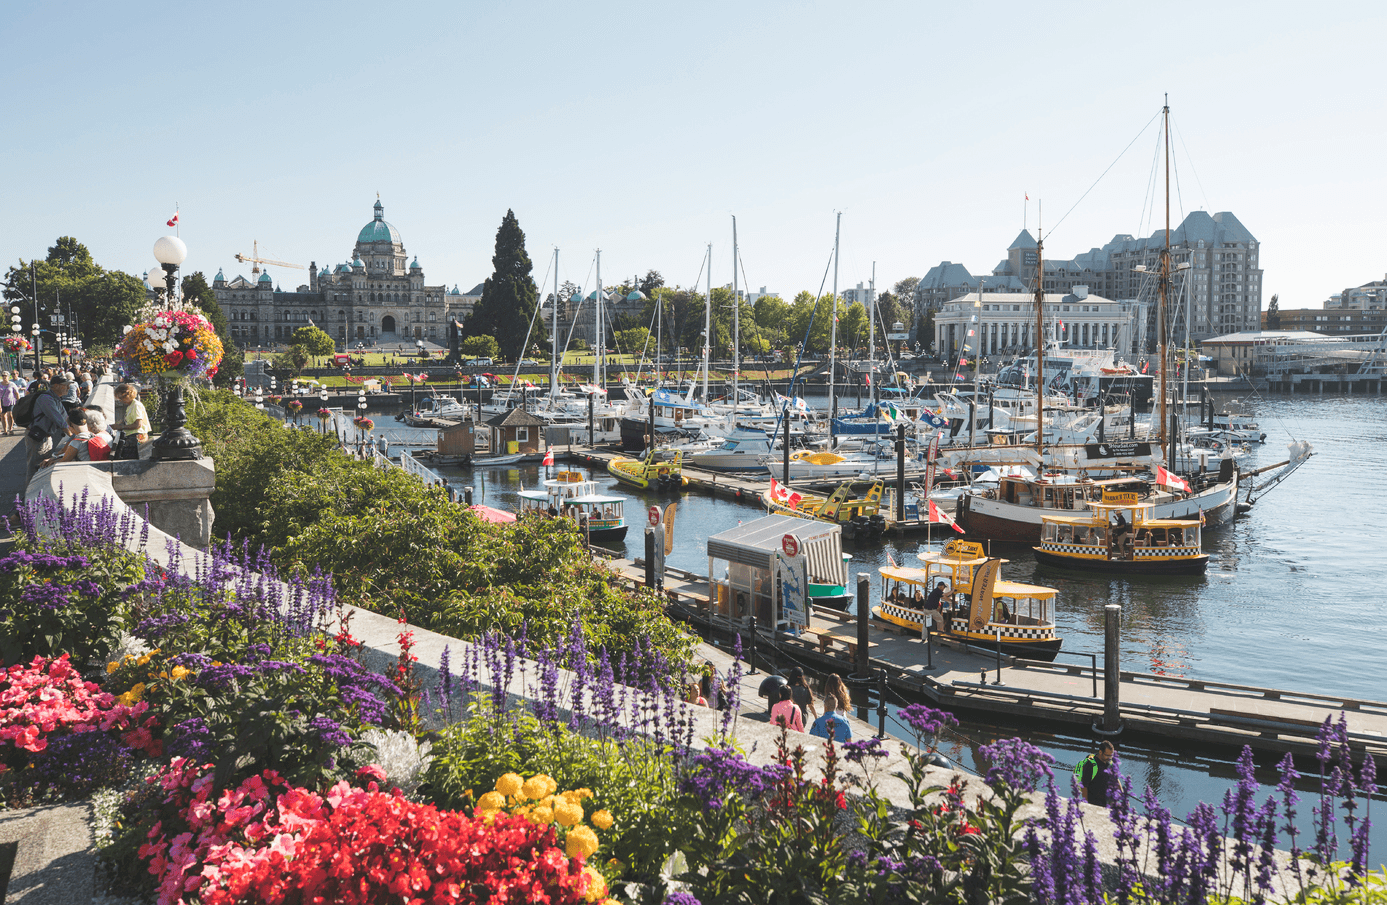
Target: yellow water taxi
[(1121, 535), (659, 469), (855, 505), (977, 606)]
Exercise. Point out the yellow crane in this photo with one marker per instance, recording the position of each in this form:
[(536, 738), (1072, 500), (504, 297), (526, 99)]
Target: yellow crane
[(255, 259)]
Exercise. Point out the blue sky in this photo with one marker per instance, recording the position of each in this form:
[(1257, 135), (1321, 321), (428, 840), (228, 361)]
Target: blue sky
[(641, 128)]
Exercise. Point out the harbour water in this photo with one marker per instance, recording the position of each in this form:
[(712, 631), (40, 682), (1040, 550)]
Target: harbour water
[(1294, 598)]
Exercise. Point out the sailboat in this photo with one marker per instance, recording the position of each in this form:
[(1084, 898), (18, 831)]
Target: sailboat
[(1013, 511)]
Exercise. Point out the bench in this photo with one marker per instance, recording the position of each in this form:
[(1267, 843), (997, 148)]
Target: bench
[(831, 637)]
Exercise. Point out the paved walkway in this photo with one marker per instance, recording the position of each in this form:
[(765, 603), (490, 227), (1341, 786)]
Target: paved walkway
[(12, 455)]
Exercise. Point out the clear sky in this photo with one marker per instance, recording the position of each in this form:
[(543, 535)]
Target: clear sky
[(642, 128)]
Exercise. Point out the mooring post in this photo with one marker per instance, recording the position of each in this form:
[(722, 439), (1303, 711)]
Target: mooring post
[(999, 659), (467, 495), (1112, 621), (881, 703), (864, 664), (650, 542), (751, 651)]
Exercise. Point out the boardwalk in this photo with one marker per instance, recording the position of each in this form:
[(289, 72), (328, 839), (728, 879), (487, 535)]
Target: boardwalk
[(1063, 695)]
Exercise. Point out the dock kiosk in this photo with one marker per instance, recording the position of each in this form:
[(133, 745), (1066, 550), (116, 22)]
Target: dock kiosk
[(777, 568)]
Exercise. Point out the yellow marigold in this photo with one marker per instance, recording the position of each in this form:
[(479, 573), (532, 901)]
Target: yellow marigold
[(112, 667), (538, 786), (542, 815), (597, 885), (509, 784), (581, 842), (568, 812), (181, 672), (147, 657), (602, 820), (491, 801), (128, 699)]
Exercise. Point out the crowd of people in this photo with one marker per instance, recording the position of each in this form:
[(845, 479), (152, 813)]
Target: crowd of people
[(59, 426)]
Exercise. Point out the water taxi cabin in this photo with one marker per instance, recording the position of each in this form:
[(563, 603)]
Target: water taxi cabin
[(775, 568), (1121, 534)]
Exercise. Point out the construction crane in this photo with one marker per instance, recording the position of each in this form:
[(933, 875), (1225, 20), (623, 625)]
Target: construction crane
[(255, 259)]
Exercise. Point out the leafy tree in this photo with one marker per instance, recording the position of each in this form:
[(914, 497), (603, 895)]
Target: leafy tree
[(1274, 314), (853, 325), (481, 347), (904, 291), (69, 280), (632, 340), (293, 360), (509, 296), (196, 290), (821, 311), (651, 282), (772, 313), (315, 340)]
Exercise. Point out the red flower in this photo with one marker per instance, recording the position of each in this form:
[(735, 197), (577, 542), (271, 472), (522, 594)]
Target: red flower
[(173, 359)]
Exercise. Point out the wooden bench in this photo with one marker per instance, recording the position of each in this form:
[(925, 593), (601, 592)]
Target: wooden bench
[(838, 636)]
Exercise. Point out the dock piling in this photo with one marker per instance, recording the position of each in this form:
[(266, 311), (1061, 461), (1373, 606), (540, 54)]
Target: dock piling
[(864, 661), (1112, 676), (999, 659), (467, 494), (751, 652), (881, 703)]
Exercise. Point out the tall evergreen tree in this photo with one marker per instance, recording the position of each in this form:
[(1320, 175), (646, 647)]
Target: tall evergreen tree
[(509, 295)]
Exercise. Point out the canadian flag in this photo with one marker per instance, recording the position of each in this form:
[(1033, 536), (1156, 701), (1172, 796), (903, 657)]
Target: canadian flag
[(173, 221), (784, 495), (937, 516), (868, 378), (548, 458), (1166, 479)]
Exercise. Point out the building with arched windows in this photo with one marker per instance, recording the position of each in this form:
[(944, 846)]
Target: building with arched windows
[(378, 297)]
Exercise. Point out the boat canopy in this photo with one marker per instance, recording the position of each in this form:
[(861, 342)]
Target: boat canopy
[(906, 575)]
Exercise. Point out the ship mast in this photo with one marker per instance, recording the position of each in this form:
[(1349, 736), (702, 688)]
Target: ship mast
[(833, 337), (1164, 283), (1039, 342)]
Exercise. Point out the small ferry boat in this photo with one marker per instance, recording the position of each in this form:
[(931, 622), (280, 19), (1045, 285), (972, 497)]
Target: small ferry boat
[(569, 495), (977, 605), (1121, 534), (741, 450), (855, 505), (659, 469)]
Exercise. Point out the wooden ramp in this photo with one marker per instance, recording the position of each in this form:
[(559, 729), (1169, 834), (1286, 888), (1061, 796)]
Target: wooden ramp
[(1066, 694)]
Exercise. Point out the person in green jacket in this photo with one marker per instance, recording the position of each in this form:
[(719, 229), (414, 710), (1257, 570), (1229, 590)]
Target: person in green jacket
[(1095, 774)]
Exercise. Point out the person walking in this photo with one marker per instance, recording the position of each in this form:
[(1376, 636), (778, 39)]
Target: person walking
[(9, 395), (48, 427), (1095, 775)]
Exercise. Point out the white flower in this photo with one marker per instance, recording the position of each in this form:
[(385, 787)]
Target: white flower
[(127, 329), (148, 346)]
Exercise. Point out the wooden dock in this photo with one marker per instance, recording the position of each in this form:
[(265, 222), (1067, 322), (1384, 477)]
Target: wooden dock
[(748, 489), (1066, 695)]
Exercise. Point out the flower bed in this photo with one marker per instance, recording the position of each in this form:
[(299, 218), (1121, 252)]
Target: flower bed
[(256, 715)]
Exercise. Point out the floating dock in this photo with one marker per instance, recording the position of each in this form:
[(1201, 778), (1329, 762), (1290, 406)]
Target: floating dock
[(1065, 696)]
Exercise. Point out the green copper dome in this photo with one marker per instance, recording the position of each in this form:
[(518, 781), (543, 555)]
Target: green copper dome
[(378, 230)]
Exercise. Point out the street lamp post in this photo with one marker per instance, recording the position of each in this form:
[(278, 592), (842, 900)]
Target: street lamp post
[(322, 397), (176, 443), (34, 331), (16, 329)]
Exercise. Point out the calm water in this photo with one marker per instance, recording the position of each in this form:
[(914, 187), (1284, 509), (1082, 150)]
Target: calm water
[(1295, 596)]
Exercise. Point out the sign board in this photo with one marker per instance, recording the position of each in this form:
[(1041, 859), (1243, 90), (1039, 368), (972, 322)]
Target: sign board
[(790, 544), (898, 337), (792, 577), (1120, 449), (669, 528), (653, 514), (1120, 498)]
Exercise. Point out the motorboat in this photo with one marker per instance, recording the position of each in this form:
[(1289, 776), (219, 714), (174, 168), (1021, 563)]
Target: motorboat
[(856, 505), (659, 469), (742, 450), (978, 607), (1123, 535), (569, 495)]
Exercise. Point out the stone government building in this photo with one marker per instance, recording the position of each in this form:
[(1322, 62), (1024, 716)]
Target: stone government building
[(377, 298)]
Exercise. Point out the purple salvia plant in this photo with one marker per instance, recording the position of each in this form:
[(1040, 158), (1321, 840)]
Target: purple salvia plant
[(1238, 807), (1358, 839), (1205, 847), (1092, 870), (1266, 856), (1289, 799), (445, 685), (1017, 763), (1159, 882)]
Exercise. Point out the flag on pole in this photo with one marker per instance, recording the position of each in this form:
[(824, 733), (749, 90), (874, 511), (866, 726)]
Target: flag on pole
[(1028, 196), (1166, 479), (868, 378), (173, 221), (784, 495), (548, 458), (938, 515), (891, 559)]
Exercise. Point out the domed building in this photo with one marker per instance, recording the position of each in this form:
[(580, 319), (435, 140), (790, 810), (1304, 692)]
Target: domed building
[(376, 298)]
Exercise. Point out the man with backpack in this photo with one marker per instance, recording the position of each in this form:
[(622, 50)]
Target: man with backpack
[(1095, 775), (46, 422)]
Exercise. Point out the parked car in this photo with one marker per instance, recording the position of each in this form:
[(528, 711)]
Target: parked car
[(481, 362), (528, 363)]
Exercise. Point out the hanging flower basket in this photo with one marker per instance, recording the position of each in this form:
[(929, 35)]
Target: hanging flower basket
[(275, 400), (17, 344), (294, 406), (324, 414), (171, 342), (365, 424)]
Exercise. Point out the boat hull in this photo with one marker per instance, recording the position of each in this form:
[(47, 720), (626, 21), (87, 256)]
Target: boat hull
[(997, 520), (617, 533), (1016, 640), (1191, 565)]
